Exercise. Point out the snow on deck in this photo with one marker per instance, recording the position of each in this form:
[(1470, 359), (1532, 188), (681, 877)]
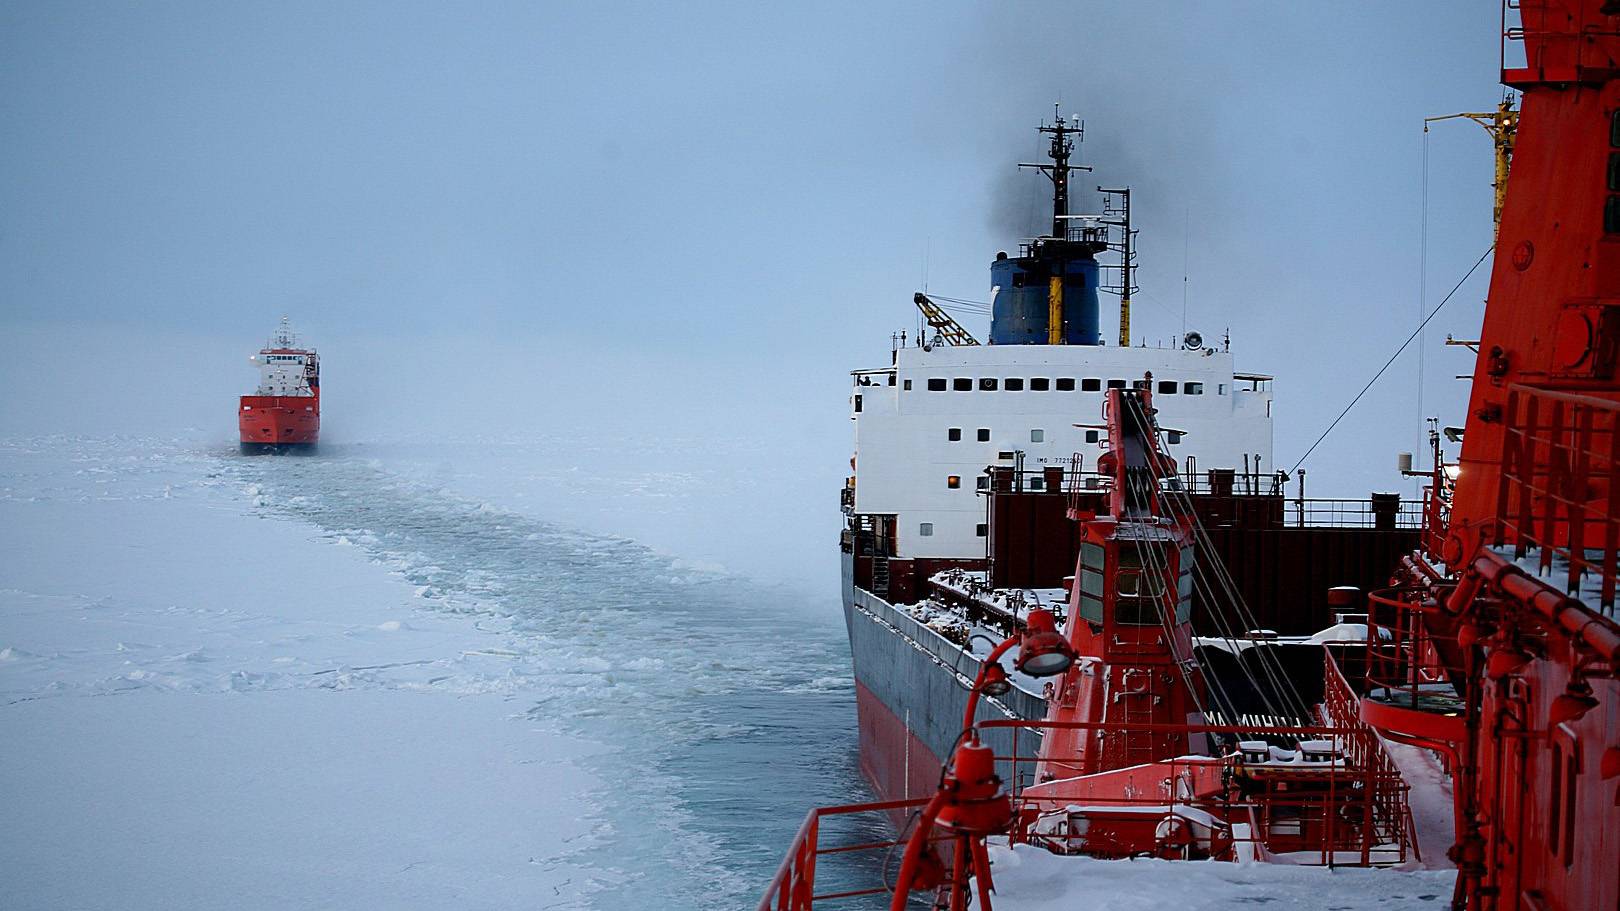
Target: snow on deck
[(1032, 879)]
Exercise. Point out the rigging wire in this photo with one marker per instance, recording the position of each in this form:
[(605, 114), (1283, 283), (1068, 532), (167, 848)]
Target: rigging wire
[(1392, 357), (1278, 679), (1423, 270)]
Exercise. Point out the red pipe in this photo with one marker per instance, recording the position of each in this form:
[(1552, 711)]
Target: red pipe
[(984, 667), (1567, 612), (914, 850)]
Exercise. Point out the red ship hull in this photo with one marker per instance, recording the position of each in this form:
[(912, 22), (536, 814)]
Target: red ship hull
[(277, 423)]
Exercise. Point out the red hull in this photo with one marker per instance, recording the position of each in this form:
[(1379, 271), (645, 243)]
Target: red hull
[(268, 421), (897, 762)]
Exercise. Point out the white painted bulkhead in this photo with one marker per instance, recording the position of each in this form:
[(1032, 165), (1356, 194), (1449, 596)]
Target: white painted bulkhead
[(283, 372), (905, 453)]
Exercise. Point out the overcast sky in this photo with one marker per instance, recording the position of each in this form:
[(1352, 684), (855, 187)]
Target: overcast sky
[(701, 216)]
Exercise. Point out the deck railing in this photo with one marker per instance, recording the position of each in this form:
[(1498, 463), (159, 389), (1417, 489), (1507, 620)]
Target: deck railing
[(1352, 812), (793, 888), (1560, 487)]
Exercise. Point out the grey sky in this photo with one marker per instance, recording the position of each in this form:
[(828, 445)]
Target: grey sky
[(699, 216)]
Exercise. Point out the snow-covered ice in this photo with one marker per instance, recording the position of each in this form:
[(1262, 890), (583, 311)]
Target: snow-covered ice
[(325, 683)]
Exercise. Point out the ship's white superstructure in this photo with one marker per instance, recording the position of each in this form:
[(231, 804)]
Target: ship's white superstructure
[(927, 428), (285, 369)]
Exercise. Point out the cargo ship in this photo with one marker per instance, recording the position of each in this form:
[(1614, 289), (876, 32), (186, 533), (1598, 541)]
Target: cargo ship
[(967, 456), (284, 413), (1157, 653)]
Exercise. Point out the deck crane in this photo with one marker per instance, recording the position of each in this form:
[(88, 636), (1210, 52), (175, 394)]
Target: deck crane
[(949, 331)]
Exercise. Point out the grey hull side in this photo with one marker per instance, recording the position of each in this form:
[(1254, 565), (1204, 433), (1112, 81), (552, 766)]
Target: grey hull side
[(922, 679)]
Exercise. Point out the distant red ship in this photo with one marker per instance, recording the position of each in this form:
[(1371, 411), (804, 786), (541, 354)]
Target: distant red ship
[(284, 413)]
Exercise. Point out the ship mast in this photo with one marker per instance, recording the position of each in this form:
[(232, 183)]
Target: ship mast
[(1064, 137)]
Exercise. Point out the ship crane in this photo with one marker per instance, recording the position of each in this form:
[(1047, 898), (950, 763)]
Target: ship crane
[(947, 329), (1503, 125)]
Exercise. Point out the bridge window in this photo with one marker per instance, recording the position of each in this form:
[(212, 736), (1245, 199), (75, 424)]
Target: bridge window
[(937, 384), (984, 434), (1065, 384), (1116, 384), (1193, 388), (962, 384), (1167, 387), (954, 434), (1091, 384), (1013, 384), (987, 384), (1140, 584), (1037, 436), (1039, 384)]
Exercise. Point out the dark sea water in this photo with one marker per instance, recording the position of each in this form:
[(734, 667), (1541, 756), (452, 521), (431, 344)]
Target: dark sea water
[(722, 707)]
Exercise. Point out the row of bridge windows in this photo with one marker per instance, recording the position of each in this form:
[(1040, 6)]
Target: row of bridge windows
[(1060, 384)]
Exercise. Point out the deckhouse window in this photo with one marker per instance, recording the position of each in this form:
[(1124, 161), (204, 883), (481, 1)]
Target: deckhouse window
[(982, 530), (925, 530), (1037, 436), (1140, 592), (1065, 384), (984, 434), (1091, 384), (953, 481), (1196, 389), (987, 384), (1173, 436), (1013, 384), (1039, 384), (954, 434), (936, 384), (962, 384), (1167, 387), (1116, 384), (1093, 436)]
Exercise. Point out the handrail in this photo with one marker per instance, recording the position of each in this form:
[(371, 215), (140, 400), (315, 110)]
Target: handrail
[(793, 886), (1559, 488)]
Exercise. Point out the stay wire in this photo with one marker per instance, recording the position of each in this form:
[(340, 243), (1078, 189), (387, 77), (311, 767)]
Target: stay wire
[(1432, 314)]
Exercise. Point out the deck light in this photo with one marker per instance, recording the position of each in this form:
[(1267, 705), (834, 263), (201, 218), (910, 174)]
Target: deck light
[(1576, 700), (1504, 661), (1044, 652), (996, 681)]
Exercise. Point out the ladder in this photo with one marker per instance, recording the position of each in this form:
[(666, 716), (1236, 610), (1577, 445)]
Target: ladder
[(880, 575)]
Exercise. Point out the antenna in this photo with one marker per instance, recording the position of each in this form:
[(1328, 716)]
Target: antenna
[(1064, 138)]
